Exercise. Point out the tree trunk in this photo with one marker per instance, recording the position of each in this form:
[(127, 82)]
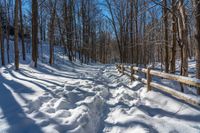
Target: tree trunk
[(51, 33), (16, 36), (131, 31), (1, 43), (68, 21), (22, 31), (197, 18), (136, 31), (184, 38), (34, 31), (8, 34), (166, 36), (173, 52)]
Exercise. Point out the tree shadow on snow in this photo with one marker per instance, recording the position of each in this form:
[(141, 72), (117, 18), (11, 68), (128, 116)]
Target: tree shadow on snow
[(179, 100), (132, 124), (38, 84), (13, 112), (158, 111)]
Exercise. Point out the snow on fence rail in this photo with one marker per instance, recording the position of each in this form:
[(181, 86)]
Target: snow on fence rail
[(148, 80)]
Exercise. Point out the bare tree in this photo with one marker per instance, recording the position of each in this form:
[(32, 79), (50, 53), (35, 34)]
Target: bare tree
[(166, 35), (34, 32), (16, 36), (8, 30), (1, 41), (22, 31), (183, 43), (52, 30), (174, 31), (196, 6), (1, 37)]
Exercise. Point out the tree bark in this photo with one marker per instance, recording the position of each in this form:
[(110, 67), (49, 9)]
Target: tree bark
[(197, 37), (184, 38), (1, 43), (22, 31), (34, 31), (16, 36), (8, 33), (136, 31), (173, 52), (131, 31), (51, 32), (166, 36)]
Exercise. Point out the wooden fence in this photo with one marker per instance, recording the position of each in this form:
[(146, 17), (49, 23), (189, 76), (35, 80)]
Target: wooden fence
[(131, 72)]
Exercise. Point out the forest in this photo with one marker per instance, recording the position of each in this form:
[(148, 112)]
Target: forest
[(59, 55)]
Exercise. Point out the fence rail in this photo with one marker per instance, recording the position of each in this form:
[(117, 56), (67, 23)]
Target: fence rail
[(131, 72)]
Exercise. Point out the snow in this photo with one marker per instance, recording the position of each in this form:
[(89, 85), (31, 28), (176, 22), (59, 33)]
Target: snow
[(73, 98)]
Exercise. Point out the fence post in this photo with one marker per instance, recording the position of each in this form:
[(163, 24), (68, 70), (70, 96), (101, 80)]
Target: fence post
[(148, 79), (132, 73), (117, 66)]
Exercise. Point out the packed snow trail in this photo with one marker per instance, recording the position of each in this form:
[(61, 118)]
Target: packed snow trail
[(76, 98)]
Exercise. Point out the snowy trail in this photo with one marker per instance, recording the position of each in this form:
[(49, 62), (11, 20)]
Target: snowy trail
[(87, 99)]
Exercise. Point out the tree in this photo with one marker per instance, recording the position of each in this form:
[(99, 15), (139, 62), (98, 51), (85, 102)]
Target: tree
[(68, 21), (196, 5), (8, 30), (136, 3), (113, 22), (165, 15), (16, 36), (174, 29), (52, 30), (131, 30), (34, 32), (1, 36), (183, 34), (22, 31)]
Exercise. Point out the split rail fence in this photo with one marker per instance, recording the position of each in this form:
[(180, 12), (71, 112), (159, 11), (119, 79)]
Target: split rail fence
[(131, 72)]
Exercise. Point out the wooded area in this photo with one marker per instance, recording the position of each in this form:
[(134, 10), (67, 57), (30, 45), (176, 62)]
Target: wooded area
[(140, 32), (58, 61)]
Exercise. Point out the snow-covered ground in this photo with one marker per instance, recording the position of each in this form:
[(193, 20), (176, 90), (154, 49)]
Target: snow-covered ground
[(75, 98)]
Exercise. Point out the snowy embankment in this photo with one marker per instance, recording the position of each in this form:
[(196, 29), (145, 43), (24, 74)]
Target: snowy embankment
[(78, 98)]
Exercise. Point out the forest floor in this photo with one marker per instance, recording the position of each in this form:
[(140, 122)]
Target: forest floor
[(75, 98)]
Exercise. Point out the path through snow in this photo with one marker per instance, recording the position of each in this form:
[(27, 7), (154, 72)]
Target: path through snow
[(87, 99)]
